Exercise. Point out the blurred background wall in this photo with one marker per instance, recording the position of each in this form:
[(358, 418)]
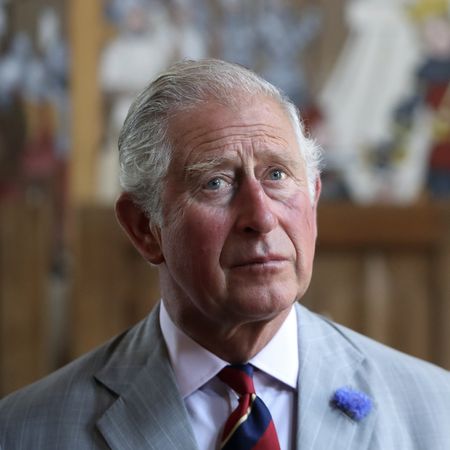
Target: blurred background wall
[(371, 79)]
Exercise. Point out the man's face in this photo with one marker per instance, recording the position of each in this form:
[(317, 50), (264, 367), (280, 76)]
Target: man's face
[(239, 227)]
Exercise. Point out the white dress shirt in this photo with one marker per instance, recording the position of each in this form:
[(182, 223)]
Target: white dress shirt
[(209, 401)]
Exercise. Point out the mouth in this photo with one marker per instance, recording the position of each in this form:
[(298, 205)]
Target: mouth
[(268, 261)]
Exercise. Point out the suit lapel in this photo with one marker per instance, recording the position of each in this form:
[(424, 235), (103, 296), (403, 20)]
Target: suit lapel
[(149, 412), (328, 361)]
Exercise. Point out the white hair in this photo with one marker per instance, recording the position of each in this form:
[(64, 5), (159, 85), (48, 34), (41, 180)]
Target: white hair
[(145, 148)]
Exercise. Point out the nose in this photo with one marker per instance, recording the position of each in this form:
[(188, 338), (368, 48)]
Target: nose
[(254, 209)]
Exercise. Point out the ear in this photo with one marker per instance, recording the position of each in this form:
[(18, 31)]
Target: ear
[(144, 235)]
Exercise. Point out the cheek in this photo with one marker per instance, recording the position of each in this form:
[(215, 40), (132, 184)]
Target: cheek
[(199, 234), (301, 223)]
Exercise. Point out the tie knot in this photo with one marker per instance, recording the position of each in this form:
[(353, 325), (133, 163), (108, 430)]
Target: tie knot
[(239, 377)]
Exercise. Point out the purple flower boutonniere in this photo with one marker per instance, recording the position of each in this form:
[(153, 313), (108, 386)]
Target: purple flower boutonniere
[(353, 403)]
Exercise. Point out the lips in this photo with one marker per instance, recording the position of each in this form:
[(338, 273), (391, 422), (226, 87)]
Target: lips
[(260, 261)]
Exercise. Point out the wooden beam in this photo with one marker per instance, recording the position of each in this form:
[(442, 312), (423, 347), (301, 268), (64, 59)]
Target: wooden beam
[(352, 227), (86, 34)]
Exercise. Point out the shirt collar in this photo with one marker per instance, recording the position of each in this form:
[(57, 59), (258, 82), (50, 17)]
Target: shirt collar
[(194, 365), (279, 358)]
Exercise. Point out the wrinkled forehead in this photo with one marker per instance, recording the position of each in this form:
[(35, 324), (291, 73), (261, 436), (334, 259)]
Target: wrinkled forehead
[(214, 125)]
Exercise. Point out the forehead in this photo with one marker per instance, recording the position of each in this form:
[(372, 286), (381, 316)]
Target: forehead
[(257, 123)]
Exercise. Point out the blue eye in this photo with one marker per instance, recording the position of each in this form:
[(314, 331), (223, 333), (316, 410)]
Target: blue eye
[(277, 174), (214, 184)]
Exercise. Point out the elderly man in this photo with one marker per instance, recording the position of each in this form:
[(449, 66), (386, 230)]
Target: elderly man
[(220, 189)]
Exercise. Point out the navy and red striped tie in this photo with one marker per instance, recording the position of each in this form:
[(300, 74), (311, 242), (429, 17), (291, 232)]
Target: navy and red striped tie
[(250, 425)]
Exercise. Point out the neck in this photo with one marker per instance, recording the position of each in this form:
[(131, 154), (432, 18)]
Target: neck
[(234, 343)]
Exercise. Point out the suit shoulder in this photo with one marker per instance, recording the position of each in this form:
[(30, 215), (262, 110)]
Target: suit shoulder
[(381, 358), (65, 406), (78, 377), (51, 403), (394, 365), (67, 381)]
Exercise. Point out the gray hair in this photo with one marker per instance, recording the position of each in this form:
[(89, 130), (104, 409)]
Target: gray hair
[(145, 148)]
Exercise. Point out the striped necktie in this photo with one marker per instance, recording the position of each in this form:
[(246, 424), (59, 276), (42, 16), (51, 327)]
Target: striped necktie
[(250, 425)]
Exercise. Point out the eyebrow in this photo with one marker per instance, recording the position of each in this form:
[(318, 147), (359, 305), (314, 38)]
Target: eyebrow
[(208, 164), (268, 156)]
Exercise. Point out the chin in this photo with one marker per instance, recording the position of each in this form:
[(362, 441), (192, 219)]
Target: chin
[(263, 306)]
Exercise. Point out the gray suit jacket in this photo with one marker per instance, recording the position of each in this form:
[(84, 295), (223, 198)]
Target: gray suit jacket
[(123, 396)]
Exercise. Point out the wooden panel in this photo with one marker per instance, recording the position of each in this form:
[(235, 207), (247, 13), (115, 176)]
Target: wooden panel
[(113, 286), (412, 302), (339, 297), (398, 291), (440, 271), (24, 271), (376, 299)]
